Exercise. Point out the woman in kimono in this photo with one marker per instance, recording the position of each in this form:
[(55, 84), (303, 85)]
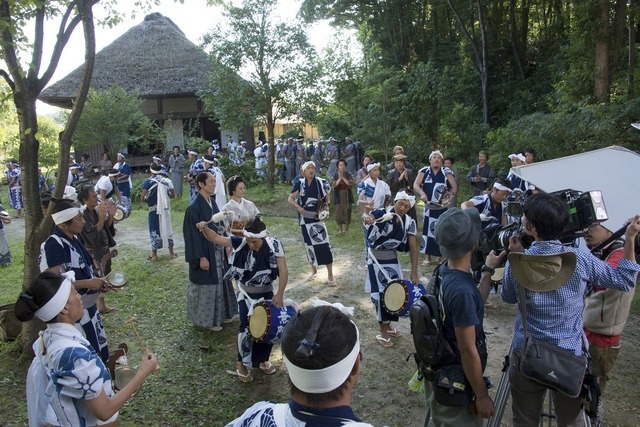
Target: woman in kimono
[(14, 178), (256, 262), (307, 192), (385, 238), (68, 384), (63, 252), (430, 185), (242, 209), (157, 190), (210, 301), (342, 184), (321, 348)]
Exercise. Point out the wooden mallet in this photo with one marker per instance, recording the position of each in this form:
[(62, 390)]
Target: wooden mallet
[(130, 321)]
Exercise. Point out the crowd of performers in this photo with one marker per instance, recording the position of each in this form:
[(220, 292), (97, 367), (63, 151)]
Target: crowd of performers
[(234, 263)]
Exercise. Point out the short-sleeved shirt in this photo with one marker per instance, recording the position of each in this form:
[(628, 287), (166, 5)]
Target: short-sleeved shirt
[(463, 306), (76, 374), (104, 183)]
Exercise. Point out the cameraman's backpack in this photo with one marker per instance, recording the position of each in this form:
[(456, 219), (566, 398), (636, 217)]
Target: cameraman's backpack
[(427, 318)]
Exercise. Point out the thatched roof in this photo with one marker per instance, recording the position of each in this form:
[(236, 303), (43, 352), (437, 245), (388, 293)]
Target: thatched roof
[(153, 59)]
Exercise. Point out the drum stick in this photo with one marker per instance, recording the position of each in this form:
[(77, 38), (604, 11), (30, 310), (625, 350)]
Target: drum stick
[(135, 331)]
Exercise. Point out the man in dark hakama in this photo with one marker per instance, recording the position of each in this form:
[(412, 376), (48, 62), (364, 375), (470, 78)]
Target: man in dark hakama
[(210, 300)]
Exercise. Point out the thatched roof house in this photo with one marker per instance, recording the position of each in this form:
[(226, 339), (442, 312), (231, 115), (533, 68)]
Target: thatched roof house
[(156, 61)]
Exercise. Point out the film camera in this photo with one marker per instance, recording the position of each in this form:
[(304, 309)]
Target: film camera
[(585, 208)]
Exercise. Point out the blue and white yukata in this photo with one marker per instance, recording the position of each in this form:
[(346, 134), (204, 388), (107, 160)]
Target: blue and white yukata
[(484, 204), (64, 374), (314, 231), (15, 189), (71, 255), (160, 231), (385, 239), (124, 186), (293, 414), (195, 168), (433, 186), (255, 272)]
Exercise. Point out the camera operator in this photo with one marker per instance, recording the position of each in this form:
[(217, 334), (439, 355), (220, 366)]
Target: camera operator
[(555, 316), (605, 312)]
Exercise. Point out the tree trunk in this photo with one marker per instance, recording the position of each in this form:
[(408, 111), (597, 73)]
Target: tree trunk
[(480, 54), (632, 50), (271, 167), (26, 90), (601, 72), (513, 35)]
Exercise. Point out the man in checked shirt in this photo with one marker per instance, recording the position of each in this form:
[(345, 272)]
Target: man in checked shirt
[(556, 316)]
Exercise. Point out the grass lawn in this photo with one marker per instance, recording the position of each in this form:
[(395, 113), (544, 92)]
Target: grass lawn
[(191, 388)]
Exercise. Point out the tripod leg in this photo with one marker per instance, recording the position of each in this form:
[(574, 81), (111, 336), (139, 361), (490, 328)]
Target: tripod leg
[(502, 395)]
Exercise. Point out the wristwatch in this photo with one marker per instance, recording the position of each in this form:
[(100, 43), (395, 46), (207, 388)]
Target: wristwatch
[(487, 269)]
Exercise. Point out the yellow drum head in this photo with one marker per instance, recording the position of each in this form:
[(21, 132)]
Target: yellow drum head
[(395, 296), (497, 275), (119, 215), (258, 322)]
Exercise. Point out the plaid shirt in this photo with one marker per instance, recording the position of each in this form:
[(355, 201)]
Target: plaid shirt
[(556, 316)]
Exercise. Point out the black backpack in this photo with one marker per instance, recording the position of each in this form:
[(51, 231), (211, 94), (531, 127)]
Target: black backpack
[(427, 319)]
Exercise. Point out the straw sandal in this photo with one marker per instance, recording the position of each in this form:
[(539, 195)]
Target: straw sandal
[(244, 378), (394, 333), (267, 368), (385, 342), (332, 283)]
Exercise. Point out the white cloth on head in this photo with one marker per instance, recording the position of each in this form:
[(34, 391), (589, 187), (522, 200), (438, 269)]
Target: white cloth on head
[(67, 214), (325, 379), (402, 195), (59, 300), (371, 166)]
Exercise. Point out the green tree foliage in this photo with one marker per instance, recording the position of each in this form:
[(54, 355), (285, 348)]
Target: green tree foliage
[(461, 82), (112, 118), (278, 60)]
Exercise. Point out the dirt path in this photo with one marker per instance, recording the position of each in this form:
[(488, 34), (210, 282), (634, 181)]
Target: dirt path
[(382, 396)]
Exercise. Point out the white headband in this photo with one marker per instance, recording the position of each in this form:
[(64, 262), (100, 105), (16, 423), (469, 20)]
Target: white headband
[(112, 175), (59, 300), (326, 379), (67, 214), (195, 153), (518, 156), (434, 153), (122, 155), (499, 186), (260, 235), (70, 193), (157, 158), (402, 195), (305, 165), (371, 166)]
